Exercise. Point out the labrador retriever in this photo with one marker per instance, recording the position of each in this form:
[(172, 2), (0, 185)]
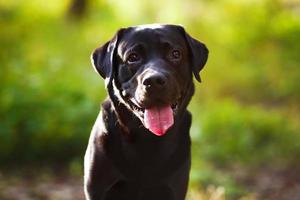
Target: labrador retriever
[(139, 148)]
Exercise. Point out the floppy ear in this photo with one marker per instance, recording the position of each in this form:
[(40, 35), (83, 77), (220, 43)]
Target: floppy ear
[(103, 57), (199, 55)]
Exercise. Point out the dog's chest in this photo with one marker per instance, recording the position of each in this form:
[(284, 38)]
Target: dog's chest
[(147, 150), (140, 158)]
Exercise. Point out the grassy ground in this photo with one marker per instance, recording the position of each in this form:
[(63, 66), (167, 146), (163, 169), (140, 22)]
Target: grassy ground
[(57, 184), (62, 187)]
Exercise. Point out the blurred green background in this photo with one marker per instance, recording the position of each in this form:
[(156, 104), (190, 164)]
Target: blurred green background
[(246, 111)]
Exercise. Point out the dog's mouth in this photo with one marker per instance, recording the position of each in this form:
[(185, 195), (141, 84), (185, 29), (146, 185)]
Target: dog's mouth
[(157, 118), (141, 110)]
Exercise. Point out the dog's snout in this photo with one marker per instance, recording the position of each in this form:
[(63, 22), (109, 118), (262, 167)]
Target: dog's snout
[(155, 81)]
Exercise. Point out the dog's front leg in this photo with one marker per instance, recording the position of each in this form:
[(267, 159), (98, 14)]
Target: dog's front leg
[(99, 174)]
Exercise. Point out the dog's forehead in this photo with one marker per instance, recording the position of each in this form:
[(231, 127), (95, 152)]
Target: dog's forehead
[(149, 26), (152, 34)]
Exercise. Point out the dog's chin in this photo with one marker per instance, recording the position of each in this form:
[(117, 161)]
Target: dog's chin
[(159, 118)]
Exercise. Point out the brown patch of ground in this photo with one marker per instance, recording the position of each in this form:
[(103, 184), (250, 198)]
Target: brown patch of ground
[(46, 186), (272, 183)]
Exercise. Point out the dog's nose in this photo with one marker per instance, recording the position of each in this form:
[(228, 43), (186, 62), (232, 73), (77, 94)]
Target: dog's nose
[(155, 81)]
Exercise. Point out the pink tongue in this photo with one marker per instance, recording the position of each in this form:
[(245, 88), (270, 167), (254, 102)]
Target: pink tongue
[(158, 119)]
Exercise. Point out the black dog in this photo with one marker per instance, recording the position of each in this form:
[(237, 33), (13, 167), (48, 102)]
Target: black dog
[(139, 147)]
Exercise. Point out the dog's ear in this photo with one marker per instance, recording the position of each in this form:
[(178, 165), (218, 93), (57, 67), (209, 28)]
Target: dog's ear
[(198, 54), (103, 57)]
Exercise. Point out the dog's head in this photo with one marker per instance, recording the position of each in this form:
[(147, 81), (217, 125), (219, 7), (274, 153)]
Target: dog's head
[(150, 69)]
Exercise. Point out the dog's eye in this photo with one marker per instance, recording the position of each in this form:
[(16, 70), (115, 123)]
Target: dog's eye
[(133, 58), (176, 55)]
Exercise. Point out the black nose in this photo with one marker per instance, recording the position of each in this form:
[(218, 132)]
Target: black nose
[(155, 81)]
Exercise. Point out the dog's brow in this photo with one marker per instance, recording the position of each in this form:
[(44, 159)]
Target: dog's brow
[(134, 47), (137, 46), (125, 48)]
